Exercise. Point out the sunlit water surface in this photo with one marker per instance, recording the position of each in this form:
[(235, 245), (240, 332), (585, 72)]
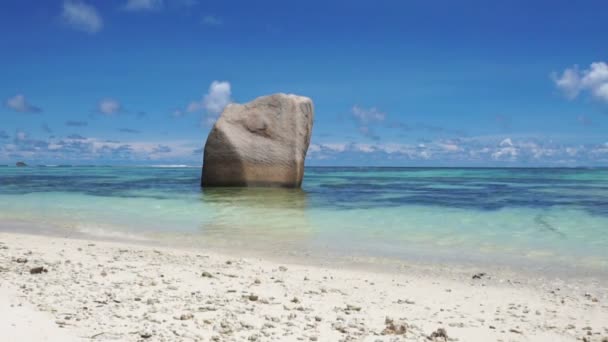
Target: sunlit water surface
[(538, 217)]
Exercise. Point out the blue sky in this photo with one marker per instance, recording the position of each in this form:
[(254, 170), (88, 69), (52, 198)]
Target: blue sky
[(412, 83)]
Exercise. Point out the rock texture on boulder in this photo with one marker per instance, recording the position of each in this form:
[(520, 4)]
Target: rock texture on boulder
[(260, 143)]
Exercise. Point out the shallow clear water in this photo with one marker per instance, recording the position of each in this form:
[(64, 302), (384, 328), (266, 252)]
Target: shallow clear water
[(530, 216)]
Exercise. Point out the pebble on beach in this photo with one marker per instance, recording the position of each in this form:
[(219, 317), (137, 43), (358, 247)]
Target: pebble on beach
[(132, 293)]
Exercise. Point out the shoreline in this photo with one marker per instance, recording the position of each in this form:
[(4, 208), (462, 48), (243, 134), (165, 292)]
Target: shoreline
[(135, 290), (446, 264)]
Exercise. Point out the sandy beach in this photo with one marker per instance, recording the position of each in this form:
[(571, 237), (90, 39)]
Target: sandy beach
[(324, 171), (61, 289)]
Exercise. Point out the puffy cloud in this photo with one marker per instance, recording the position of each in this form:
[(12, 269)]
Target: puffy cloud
[(20, 136), (602, 91), (81, 16), (486, 150), (72, 123), (143, 5), (449, 146), (312, 148), (602, 149), (568, 82), (507, 142), (23, 143), (212, 103), (505, 150), (335, 147), (218, 97), (211, 20), (78, 148), (365, 148), (368, 115), (109, 106), (574, 81), (20, 104), (466, 151)]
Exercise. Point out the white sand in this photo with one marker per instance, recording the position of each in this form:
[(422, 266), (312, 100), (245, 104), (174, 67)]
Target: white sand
[(20, 321), (126, 292)]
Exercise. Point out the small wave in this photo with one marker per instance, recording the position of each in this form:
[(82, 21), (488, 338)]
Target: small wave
[(108, 233), (172, 165)]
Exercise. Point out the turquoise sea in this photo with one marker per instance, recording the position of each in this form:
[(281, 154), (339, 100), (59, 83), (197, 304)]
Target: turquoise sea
[(544, 217)]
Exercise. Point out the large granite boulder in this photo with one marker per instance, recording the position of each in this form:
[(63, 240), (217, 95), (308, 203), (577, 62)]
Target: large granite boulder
[(260, 143)]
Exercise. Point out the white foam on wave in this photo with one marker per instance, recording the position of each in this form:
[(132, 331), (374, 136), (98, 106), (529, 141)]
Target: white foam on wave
[(105, 232), (172, 165)]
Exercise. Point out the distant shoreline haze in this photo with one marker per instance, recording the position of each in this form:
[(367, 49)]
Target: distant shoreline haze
[(335, 166)]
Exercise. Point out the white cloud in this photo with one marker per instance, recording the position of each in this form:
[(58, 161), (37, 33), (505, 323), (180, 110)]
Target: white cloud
[(507, 142), (594, 80), (143, 5), (21, 135), (368, 115), (336, 147), (450, 147), (214, 102), (472, 150), (212, 20), (569, 82), (313, 148), (508, 153), (602, 91), (365, 148), (81, 16), (602, 149), (109, 106), (218, 97), (571, 151), (19, 103), (79, 148)]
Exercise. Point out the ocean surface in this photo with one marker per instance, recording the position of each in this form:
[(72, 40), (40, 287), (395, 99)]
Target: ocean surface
[(545, 217)]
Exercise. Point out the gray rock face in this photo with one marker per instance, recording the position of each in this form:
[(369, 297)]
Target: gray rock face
[(260, 143)]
